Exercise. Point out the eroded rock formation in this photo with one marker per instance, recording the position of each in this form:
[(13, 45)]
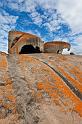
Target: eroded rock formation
[(56, 47), (17, 40), (20, 42), (39, 88)]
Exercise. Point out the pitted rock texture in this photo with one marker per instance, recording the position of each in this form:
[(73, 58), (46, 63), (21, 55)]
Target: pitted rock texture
[(17, 40), (20, 40), (56, 47), (40, 89)]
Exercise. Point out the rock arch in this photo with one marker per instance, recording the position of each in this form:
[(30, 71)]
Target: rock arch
[(17, 40)]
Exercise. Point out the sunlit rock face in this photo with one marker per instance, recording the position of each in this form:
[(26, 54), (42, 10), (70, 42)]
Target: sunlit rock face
[(40, 88), (23, 43), (17, 40), (43, 88), (56, 47)]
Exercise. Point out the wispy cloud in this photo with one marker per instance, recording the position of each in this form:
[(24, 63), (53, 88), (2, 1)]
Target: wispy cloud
[(7, 23), (71, 12), (50, 19)]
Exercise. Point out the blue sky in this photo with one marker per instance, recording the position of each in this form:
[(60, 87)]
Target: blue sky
[(49, 19)]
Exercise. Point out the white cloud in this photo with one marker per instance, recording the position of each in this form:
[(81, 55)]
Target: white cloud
[(7, 19), (30, 6), (6, 24), (78, 48), (22, 5), (47, 4), (36, 18), (71, 11)]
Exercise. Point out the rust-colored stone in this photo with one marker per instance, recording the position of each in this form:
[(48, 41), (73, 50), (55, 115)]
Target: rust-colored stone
[(56, 47), (33, 90), (16, 41), (44, 88)]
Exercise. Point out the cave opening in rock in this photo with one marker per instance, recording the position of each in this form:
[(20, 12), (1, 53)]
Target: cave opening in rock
[(28, 49)]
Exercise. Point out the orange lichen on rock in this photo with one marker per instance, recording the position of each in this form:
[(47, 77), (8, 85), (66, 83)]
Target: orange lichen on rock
[(8, 95), (77, 73), (59, 94), (3, 63), (75, 83), (24, 58), (28, 82), (61, 90), (7, 98), (78, 108), (40, 86)]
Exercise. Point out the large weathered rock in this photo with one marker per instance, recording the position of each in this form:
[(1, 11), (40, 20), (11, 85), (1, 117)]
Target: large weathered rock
[(56, 47), (21, 42), (17, 39), (40, 89)]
